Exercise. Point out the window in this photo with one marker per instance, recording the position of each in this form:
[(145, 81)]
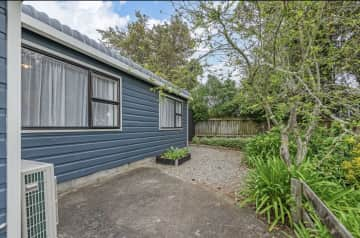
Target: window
[(104, 101), (57, 94), (170, 113)]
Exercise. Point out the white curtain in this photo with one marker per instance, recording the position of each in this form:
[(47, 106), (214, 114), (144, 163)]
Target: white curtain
[(104, 88), (104, 114), (54, 93), (167, 112)]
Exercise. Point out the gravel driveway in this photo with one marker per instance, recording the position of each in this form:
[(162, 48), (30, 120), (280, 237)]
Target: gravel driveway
[(215, 168)]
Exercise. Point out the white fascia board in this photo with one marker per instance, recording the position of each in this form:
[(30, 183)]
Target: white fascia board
[(47, 31)]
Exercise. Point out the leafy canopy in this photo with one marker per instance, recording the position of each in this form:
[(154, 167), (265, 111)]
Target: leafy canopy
[(293, 56), (165, 49), (214, 98)]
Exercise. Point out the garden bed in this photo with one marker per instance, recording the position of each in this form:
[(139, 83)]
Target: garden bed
[(175, 162)]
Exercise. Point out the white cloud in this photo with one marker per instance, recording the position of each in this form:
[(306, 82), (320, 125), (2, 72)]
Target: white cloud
[(83, 16)]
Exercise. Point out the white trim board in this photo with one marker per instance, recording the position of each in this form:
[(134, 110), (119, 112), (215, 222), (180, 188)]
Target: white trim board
[(47, 31), (68, 58), (70, 130), (13, 133)]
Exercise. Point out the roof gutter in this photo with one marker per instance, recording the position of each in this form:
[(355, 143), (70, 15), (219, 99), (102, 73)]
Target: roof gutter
[(47, 31)]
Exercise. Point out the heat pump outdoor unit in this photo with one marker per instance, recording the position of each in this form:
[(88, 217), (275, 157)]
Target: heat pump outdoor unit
[(39, 200)]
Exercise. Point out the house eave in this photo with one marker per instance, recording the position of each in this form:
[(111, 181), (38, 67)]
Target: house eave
[(49, 32)]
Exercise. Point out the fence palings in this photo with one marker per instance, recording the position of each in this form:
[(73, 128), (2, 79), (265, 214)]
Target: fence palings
[(299, 190), (228, 127)]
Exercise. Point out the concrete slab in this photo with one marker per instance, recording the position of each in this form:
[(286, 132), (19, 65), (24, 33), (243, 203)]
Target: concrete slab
[(148, 203)]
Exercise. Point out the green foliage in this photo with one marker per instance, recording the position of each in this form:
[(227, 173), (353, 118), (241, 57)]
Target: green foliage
[(247, 106), (295, 60), (322, 171), (352, 171), (342, 200), (234, 143), (319, 230), (199, 105), (164, 49), (175, 153), (266, 145), (268, 187), (215, 98)]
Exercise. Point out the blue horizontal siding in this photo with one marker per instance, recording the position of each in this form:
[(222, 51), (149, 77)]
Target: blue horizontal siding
[(77, 154), (3, 83)]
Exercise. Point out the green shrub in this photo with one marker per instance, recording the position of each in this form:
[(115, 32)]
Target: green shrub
[(268, 187), (196, 140), (234, 142), (326, 171), (175, 153), (342, 200), (266, 145), (325, 149)]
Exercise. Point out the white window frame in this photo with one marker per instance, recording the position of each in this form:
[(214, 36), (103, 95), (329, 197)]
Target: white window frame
[(38, 47), (182, 113)]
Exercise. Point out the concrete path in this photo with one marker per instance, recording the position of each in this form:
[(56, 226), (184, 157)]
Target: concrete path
[(148, 202)]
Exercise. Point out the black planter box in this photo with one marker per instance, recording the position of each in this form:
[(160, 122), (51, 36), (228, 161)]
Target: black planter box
[(176, 162)]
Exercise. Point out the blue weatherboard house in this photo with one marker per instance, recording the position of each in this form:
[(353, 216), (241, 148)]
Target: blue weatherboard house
[(67, 100)]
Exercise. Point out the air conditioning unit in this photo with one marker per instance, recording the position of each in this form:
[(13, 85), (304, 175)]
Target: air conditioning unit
[(39, 200)]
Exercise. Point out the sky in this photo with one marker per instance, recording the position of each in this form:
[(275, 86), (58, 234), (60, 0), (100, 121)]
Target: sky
[(88, 16)]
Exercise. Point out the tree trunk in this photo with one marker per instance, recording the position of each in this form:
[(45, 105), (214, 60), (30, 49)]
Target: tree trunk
[(301, 151), (284, 148), (268, 122)]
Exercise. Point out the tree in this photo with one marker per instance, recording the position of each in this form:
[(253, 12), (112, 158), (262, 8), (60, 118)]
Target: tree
[(291, 54), (165, 49), (215, 98)]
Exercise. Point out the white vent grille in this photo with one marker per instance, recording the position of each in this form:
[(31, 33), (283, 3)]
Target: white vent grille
[(39, 206), (35, 205)]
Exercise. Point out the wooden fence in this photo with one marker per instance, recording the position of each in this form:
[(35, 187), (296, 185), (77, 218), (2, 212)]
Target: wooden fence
[(228, 127), (300, 190)]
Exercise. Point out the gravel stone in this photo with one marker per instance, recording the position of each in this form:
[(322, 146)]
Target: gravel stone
[(216, 168)]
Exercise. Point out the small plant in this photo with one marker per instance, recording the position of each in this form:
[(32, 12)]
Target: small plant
[(318, 231), (352, 167), (352, 171), (175, 153), (268, 186)]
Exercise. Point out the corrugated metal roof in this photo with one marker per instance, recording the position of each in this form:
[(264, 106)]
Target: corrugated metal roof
[(43, 17)]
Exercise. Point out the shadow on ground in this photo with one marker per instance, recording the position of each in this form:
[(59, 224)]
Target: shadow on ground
[(146, 202)]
